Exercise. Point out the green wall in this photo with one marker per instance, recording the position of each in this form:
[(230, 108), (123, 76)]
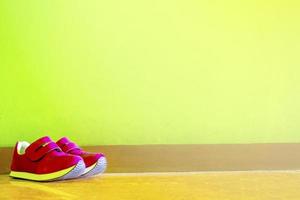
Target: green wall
[(150, 72)]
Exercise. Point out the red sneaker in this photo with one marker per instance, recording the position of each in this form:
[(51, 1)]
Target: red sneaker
[(95, 163), (43, 160)]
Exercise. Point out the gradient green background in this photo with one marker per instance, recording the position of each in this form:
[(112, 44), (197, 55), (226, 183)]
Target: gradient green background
[(150, 72)]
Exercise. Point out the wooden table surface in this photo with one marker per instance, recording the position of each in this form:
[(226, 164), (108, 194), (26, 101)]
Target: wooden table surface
[(161, 186)]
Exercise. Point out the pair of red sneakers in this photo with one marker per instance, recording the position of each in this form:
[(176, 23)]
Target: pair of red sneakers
[(45, 160)]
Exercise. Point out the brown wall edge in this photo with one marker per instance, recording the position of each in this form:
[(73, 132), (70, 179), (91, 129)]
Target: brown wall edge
[(189, 158)]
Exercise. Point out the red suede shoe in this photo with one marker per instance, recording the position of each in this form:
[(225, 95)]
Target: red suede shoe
[(43, 160), (95, 163)]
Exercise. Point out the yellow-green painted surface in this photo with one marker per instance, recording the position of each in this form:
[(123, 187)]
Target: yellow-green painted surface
[(148, 72)]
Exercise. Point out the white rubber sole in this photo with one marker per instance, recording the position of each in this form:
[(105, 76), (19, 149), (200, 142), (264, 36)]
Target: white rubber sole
[(98, 168), (69, 173)]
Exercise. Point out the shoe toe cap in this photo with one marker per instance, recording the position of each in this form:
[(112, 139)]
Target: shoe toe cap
[(91, 158)]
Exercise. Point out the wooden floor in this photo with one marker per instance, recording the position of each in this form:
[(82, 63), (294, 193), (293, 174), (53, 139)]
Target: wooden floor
[(171, 186)]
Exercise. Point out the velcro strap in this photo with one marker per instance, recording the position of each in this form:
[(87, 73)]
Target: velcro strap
[(63, 141), (37, 144), (40, 151), (69, 147)]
